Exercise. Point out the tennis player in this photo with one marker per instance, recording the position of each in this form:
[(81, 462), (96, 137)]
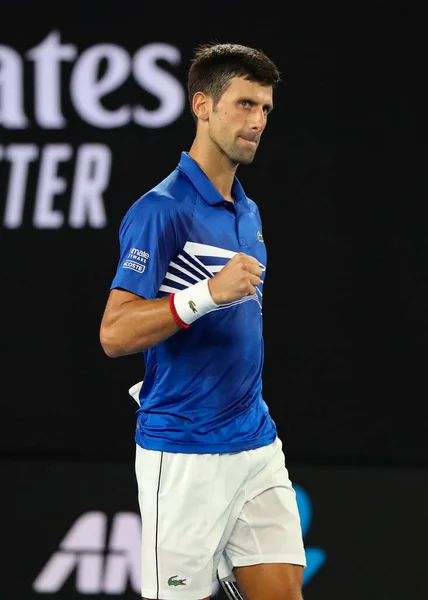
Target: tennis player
[(214, 492)]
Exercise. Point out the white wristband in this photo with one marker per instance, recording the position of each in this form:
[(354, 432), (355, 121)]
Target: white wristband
[(194, 302)]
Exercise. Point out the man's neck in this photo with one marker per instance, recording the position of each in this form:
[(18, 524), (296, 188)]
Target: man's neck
[(216, 166)]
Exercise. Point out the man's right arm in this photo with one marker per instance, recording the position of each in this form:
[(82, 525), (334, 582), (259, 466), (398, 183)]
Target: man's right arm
[(132, 324)]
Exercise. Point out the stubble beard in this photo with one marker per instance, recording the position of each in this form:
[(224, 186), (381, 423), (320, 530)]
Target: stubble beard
[(235, 151), (241, 156)]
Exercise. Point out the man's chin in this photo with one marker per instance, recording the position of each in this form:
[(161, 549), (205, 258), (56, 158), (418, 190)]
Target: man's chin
[(243, 158), (246, 161)]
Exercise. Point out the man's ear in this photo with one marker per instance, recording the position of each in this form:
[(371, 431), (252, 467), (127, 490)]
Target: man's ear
[(201, 105)]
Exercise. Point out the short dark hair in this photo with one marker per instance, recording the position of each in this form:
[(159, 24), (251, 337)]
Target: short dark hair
[(215, 64)]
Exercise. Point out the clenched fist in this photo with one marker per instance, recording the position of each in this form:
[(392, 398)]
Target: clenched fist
[(238, 278)]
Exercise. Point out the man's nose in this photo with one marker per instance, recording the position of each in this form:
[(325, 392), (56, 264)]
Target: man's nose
[(259, 120)]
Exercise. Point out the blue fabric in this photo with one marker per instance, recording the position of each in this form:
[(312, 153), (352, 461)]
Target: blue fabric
[(202, 389)]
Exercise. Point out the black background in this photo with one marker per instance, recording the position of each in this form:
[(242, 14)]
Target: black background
[(337, 180), (346, 289)]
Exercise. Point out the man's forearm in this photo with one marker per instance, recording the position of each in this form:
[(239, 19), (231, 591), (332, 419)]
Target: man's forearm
[(137, 325)]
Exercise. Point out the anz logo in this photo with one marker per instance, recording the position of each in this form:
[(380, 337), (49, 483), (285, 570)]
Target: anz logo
[(315, 557)]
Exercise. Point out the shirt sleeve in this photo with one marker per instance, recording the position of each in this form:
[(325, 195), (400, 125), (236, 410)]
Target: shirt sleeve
[(148, 239)]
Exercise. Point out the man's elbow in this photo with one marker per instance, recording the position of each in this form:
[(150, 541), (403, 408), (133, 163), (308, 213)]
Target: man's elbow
[(109, 343)]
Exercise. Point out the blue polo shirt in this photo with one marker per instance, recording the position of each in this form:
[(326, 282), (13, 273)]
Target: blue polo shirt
[(202, 388)]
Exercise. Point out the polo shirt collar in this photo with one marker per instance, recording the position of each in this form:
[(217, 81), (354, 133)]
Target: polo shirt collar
[(204, 186)]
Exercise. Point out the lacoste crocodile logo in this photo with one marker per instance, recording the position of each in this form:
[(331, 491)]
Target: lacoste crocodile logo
[(193, 306), (173, 581)]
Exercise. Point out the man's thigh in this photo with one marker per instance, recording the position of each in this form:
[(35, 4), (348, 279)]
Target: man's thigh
[(268, 529), (277, 581), (186, 502), (267, 534)]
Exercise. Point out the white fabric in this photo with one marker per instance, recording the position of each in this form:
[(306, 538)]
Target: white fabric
[(134, 391), (207, 512)]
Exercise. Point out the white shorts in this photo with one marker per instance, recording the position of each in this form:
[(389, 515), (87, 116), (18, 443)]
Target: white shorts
[(207, 513)]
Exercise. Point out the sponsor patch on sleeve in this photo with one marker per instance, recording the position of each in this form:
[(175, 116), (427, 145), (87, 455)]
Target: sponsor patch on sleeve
[(136, 260), (134, 266)]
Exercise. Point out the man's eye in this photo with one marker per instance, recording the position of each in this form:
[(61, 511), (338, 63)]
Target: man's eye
[(245, 103)]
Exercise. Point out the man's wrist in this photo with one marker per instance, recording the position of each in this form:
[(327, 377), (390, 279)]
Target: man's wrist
[(192, 303)]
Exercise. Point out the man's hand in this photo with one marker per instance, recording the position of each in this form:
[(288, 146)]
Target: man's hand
[(238, 278)]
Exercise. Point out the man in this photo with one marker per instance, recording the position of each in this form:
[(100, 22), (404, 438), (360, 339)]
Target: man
[(214, 491)]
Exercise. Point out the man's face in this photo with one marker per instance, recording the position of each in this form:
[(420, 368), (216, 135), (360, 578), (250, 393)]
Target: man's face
[(237, 122)]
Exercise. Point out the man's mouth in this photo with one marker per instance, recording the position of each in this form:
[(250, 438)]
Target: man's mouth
[(250, 141)]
